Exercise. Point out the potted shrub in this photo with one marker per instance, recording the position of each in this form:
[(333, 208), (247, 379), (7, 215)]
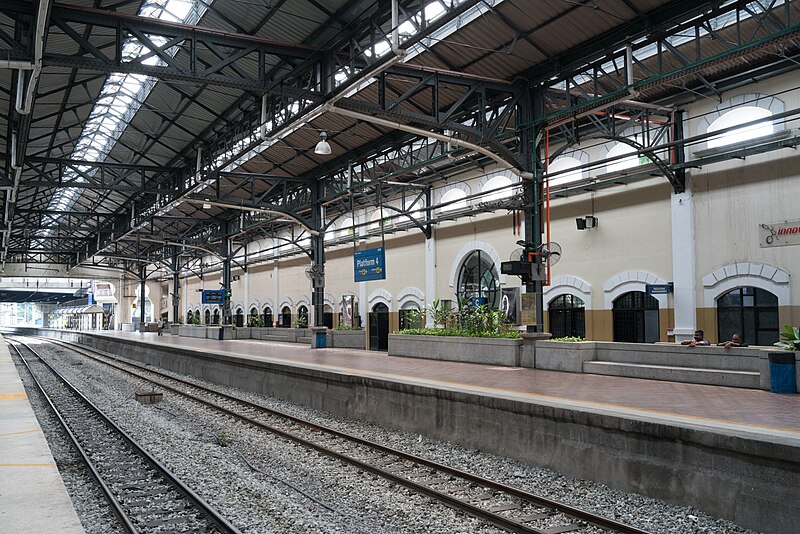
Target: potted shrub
[(782, 367)]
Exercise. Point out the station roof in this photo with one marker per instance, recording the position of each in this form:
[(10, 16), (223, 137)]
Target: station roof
[(156, 128)]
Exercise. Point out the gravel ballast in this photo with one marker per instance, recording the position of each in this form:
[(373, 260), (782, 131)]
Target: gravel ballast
[(263, 483)]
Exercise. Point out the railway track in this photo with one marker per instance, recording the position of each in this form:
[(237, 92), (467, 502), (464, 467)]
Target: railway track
[(143, 494), (503, 506)]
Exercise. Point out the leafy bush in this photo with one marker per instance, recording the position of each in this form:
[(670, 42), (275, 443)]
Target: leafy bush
[(791, 338), (568, 339), (302, 321), (456, 332), (255, 321), (466, 321)]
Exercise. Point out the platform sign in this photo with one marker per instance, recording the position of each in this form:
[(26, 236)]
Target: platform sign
[(213, 296), (658, 289), (370, 264), (528, 309)]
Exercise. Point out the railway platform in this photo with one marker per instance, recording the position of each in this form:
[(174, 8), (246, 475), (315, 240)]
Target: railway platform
[(731, 452), (32, 494)]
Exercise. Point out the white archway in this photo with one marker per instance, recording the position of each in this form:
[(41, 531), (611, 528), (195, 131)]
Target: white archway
[(569, 285), (631, 281), (742, 274), (380, 296), (468, 249), (410, 297)]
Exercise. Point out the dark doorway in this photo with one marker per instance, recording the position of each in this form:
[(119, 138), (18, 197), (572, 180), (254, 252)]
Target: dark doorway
[(268, 317), (379, 327), (327, 316), (216, 317), (636, 318), (286, 317), (239, 318), (208, 316)]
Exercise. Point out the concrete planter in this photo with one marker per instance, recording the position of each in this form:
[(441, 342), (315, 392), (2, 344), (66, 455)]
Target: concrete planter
[(190, 330), (347, 339), (561, 355), (491, 351)]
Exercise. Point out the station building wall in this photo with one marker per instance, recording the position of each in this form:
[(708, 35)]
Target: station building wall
[(640, 239)]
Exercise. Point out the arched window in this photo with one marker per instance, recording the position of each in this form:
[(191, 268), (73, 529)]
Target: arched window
[(302, 317), (375, 220), (567, 316), (411, 317), (216, 316), (565, 164), (478, 281), (208, 317), (268, 317), (636, 318), (497, 188), (345, 227), (239, 317), (286, 317), (633, 159), (751, 312), (740, 115), (455, 199), (252, 318)]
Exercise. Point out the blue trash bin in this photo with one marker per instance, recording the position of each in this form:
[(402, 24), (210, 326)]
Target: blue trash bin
[(322, 340), (782, 377)]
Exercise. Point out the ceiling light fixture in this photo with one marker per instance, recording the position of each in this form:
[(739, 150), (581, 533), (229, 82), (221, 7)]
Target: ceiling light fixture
[(323, 147), (206, 206)]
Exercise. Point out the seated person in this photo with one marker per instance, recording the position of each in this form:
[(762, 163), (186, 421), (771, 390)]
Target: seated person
[(699, 340), (736, 341)]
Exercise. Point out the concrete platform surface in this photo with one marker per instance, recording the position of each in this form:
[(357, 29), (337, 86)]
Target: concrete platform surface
[(32, 495), (701, 406)]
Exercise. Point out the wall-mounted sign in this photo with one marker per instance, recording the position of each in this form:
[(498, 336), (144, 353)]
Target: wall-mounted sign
[(658, 289), (213, 296), (528, 309), (370, 264), (780, 234)]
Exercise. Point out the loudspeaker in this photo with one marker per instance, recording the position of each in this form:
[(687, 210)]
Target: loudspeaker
[(591, 221), (580, 222)]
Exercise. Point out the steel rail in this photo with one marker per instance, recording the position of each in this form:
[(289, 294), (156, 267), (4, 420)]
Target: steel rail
[(222, 524), (126, 522), (500, 521)]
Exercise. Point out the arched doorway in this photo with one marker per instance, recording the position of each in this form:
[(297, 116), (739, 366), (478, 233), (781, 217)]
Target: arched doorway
[(286, 317), (636, 318), (750, 312), (268, 320), (216, 317), (253, 318), (238, 318), (478, 282), (379, 327), (208, 317), (302, 317), (567, 316), (327, 316)]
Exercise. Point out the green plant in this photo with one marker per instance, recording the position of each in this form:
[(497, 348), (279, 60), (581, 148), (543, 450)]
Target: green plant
[(790, 337), (568, 339), (440, 313), (222, 438), (302, 321), (255, 321)]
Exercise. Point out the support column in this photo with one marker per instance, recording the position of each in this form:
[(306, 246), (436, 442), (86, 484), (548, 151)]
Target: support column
[(246, 295), (531, 107), (276, 287), (430, 262), (318, 255), (226, 274), (176, 286), (142, 292), (684, 265)]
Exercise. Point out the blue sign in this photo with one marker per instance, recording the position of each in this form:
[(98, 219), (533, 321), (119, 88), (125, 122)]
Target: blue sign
[(370, 264), (658, 289), (213, 296)]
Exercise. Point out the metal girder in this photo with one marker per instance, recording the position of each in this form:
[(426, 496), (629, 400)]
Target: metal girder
[(667, 54), (206, 56)]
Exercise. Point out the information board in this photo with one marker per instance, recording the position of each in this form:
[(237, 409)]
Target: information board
[(528, 309), (658, 289), (369, 265), (213, 296)]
